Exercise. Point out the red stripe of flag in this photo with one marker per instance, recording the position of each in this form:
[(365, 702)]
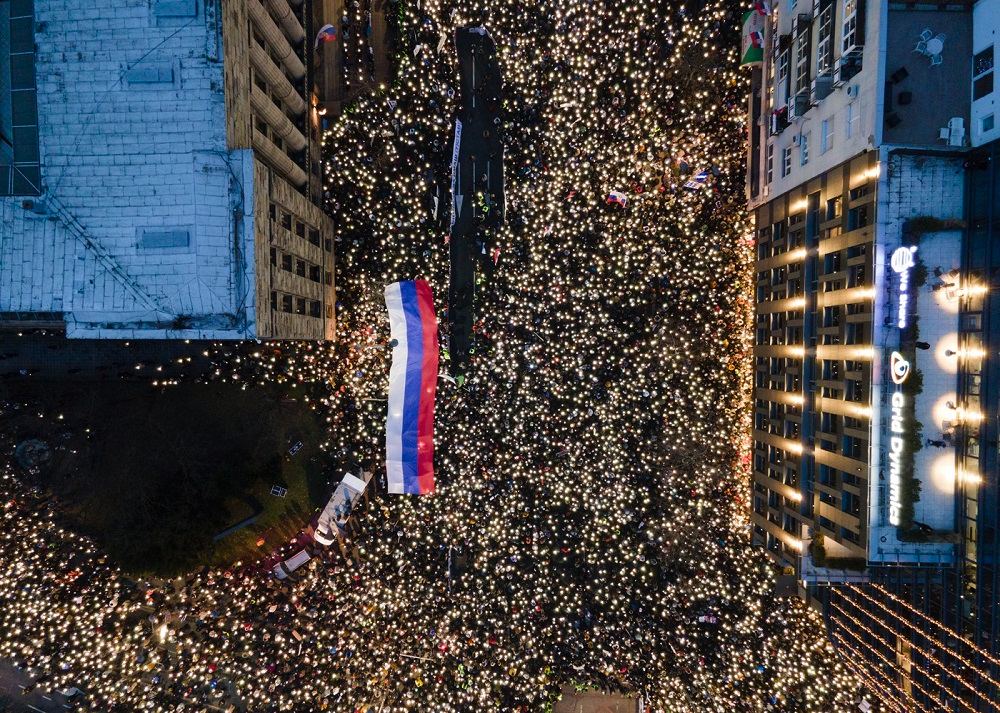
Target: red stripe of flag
[(428, 387)]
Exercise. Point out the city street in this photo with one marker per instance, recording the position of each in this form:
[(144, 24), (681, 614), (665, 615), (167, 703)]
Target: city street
[(13, 700), (477, 181)]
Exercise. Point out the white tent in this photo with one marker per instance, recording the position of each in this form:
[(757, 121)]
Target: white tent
[(336, 513)]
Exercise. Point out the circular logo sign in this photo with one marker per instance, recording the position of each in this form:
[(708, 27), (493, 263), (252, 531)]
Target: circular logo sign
[(899, 368), (902, 259)]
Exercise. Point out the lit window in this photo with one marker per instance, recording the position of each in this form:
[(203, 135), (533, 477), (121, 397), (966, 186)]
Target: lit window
[(853, 31), (824, 45), (804, 149), (770, 162), (982, 73)]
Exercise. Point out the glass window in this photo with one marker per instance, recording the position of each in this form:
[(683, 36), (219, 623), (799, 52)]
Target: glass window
[(824, 45), (20, 170), (852, 31), (802, 59), (982, 86), (804, 149), (834, 206), (982, 62)]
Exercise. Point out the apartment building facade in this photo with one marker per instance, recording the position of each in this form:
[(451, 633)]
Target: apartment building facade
[(160, 173)]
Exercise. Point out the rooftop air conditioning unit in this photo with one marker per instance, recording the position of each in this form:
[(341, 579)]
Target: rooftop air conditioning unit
[(822, 87), (849, 64), (799, 105)]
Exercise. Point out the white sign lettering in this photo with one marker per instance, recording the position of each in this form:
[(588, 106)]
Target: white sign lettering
[(899, 368), (902, 262)]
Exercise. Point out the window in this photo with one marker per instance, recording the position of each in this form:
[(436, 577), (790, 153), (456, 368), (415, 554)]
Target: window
[(286, 262), (314, 273), (853, 117), (770, 162), (834, 206), (274, 256), (300, 229), (314, 236), (858, 217), (982, 73), (274, 300), (824, 43), (300, 305), (315, 309), (856, 334), (826, 135), (786, 161), (300, 268), (20, 166), (286, 220), (987, 123), (856, 276), (854, 28), (804, 149), (783, 78), (286, 303), (802, 58)]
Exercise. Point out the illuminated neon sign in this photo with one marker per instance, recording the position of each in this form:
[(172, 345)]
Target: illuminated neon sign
[(899, 370), (902, 262)]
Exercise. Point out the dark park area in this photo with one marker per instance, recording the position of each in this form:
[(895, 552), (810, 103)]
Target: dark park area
[(167, 477)]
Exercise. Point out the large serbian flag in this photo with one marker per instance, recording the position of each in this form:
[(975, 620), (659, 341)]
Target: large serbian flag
[(409, 428)]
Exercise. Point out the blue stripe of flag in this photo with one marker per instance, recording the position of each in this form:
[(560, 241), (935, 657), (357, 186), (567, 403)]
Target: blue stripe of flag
[(414, 376)]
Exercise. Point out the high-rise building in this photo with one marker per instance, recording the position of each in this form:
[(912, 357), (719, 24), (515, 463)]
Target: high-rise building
[(858, 198), (873, 184), (160, 170)]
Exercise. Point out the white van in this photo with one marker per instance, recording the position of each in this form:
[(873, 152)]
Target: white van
[(283, 569)]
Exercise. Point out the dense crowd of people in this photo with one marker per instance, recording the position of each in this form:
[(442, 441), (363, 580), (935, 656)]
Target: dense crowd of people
[(590, 524)]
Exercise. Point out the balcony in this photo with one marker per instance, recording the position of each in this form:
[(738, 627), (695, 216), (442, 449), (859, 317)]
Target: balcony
[(278, 159), (276, 120), (275, 39), (276, 80)]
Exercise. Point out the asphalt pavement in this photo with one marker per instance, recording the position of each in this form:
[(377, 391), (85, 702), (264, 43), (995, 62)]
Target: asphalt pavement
[(477, 182), (13, 698)]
